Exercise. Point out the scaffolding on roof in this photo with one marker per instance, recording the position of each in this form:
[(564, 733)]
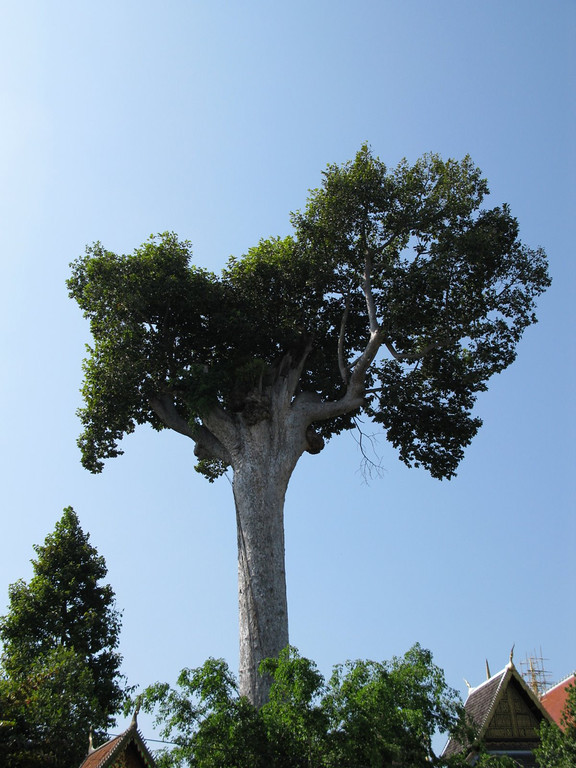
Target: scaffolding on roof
[(535, 673)]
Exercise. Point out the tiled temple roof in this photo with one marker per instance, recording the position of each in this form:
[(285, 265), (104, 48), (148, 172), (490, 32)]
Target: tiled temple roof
[(484, 700), (107, 754)]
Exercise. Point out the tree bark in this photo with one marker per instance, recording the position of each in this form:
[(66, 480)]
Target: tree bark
[(267, 455), (262, 603)]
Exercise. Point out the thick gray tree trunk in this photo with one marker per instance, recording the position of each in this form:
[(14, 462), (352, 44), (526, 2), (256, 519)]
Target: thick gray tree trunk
[(266, 455), (262, 604)]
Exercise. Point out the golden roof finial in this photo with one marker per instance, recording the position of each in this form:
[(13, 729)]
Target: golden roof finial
[(488, 675), (90, 742), (512, 654)]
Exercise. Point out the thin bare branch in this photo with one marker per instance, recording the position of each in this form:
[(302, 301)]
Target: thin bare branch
[(370, 467)]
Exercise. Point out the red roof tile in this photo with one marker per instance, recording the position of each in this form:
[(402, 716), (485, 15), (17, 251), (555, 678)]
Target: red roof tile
[(105, 755), (554, 699), (99, 756)]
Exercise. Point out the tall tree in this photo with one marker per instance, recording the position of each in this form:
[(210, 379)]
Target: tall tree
[(60, 665), (397, 297)]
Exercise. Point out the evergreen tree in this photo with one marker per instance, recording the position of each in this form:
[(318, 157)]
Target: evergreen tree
[(60, 665)]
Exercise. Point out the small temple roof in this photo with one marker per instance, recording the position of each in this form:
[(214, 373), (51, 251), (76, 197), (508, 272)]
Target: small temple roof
[(106, 755)]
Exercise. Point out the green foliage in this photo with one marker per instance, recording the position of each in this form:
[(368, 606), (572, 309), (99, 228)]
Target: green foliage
[(154, 323), (206, 720), (486, 760), (408, 254), (295, 721), (452, 285), (60, 666), (388, 712), (558, 746), (46, 712), (367, 714)]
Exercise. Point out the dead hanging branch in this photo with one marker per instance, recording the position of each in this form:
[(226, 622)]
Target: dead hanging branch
[(370, 467)]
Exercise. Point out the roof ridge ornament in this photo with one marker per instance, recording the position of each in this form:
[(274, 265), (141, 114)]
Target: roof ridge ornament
[(511, 662), (134, 723)]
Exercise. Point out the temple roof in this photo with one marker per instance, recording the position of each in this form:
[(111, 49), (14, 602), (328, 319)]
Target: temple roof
[(505, 711), (107, 754)]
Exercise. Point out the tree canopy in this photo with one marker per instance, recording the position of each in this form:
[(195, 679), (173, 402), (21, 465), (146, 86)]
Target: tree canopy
[(398, 275), (60, 668)]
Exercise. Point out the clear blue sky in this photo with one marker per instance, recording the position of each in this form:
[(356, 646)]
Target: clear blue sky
[(213, 119)]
